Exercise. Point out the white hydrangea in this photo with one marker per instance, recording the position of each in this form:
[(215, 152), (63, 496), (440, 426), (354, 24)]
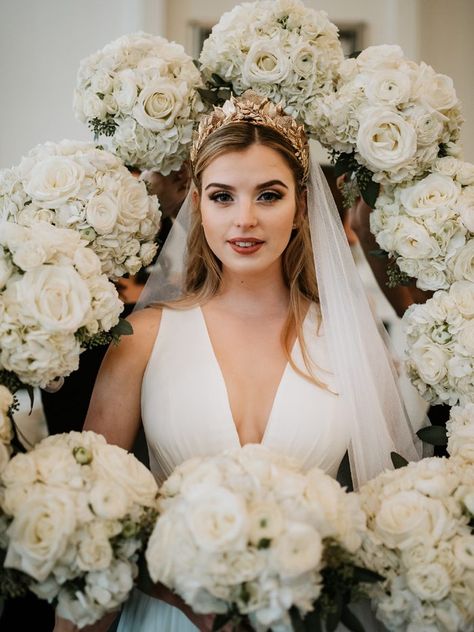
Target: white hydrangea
[(420, 540), (75, 185), (72, 523), (280, 49), (250, 528), (460, 427), (53, 298), (440, 345), (428, 224), (391, 113), (145, 89)]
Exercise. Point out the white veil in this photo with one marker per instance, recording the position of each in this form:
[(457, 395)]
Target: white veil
[(360, 358)]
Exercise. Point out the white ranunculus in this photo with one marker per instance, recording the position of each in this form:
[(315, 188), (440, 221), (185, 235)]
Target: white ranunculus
[(216, 518), (465, 173), (125, 90), (385, 56), (102, 212), (55, 467), (429, 127), (266, 522), (108, 500), (54, 180), (385, 141), (265, 62), (39, 533), (388, 86), (159, 103), (429, 582), (298, 550), (427, 195), (438, 92), (466, 336), (304, 61), (56, 296)]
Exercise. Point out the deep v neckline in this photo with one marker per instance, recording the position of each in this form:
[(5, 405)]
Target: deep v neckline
[(223, 383)]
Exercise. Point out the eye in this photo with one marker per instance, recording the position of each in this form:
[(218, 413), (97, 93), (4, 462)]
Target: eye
[(270, 196), (221, 197)]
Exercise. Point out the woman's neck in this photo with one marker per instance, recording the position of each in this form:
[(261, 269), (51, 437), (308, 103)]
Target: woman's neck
[(263, 294)]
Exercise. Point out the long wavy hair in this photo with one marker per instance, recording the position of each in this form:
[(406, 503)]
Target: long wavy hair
[(203, 274)]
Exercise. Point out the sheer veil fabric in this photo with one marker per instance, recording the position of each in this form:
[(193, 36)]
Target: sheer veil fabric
[(360, 358)]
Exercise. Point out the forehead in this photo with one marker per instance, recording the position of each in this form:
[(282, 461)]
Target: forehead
[(257, 163)]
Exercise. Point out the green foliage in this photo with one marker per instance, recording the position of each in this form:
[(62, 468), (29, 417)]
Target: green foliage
[(216, 92), (397, 460), (434, 435), (101, 127), (396, 277), (347, 164), (122, 328)]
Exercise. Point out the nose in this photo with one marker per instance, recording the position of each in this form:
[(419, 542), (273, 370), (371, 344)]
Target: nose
[(245, 216)]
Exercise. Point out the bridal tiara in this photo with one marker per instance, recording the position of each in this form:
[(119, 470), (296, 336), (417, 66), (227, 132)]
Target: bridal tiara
[(253, 109)]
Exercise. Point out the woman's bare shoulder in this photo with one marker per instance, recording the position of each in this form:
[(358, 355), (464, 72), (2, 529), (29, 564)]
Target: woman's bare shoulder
[(145, 324)]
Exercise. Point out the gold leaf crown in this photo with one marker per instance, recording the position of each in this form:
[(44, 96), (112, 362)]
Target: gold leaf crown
[(251, 108)]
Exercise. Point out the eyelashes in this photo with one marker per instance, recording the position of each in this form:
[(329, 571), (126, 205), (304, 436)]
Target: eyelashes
[(224, 197)]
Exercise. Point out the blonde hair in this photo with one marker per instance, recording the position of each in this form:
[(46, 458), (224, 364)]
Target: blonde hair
[(204, 270)]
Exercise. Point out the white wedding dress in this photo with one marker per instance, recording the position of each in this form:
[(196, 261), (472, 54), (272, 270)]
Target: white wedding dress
[(186, 413)]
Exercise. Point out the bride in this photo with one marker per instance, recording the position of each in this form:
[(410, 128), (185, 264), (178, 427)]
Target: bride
[(270, 341)]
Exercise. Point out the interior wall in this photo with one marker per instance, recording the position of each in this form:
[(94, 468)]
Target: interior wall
[(41, 45)]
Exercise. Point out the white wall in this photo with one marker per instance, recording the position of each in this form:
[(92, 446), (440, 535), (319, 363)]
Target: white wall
[(41, 45)]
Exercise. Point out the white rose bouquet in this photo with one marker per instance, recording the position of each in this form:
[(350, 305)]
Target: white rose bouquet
[(75, 185), (427, 225), (80, 511), (460, 433), (420, 537), (54, 302), (140, 93), (389, 118), (278, 48), (246, 533), (6, 426), (440, 345)]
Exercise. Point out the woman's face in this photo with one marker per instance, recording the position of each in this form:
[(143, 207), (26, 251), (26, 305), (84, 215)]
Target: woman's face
[(248, 208)]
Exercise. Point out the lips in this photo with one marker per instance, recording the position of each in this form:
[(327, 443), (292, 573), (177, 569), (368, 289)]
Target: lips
[(245, 245)]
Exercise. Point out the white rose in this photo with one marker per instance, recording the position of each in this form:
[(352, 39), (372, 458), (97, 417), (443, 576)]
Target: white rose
[(385, 55), (429, 359), (265, 63), (125, 89), (466, 336), (132, 201), (94, 552), (385, 140), (388, 86), (160, 549), (438, 91), (92, 105), (56, 466), (216, 518), (427, 195), (429, 127), (298, 550), (465, 173), (39, 533), (54, 180), (29, 256), (6, 270), (87, 262), (464, 550), (408, 516), (147, 252), (56, 296), (429, 582), (159, 103), (106, 304), (462, 265), (412, 241), (102, 212), (101, 82), (127, 472), (465, 207)]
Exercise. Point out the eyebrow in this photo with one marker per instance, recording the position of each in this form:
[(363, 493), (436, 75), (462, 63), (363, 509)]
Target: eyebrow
[(264, 185)]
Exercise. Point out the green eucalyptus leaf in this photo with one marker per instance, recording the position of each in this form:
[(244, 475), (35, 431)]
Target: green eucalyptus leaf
[(312, 622), (334, 617), (351, 622), (379, 253), (344, 164), (397, 460), (434, 435), (365, 575), (296, 620), (370, 192), (122, 328), (209, 96)]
